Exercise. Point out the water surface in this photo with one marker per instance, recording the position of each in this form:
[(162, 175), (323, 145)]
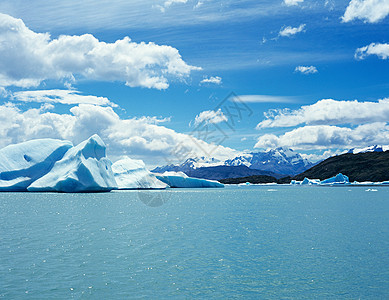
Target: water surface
[(266, 242)]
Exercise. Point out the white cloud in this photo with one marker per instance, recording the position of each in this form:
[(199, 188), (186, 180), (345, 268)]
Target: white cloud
[(326, 136), (137, 137), (39, 58), (290, 31), (315, 157), (264, 99), (4, 93), (210, 117), (381, 50), (306, 69), (371, 11), (329, 111), (213, 79), (60, 96), (292, 2), (170, 2)]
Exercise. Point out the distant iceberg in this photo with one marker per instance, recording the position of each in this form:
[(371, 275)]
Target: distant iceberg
[(21, 164), (181, 180), (132, 174), (308, 181), (338, 179), (83, 168)]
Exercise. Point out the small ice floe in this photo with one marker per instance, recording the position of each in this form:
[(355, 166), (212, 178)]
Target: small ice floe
[(272, 190), (371, 190)]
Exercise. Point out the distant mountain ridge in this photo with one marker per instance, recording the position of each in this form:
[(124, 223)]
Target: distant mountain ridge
[(222, 172), (277, 163), (374, 148)]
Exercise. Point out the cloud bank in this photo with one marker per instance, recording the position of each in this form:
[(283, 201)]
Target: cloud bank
[(40, 58), (326, 136), (328, 124), (329, 111), (137, 137)]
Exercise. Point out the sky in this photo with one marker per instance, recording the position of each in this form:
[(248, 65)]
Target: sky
[(165, 80)]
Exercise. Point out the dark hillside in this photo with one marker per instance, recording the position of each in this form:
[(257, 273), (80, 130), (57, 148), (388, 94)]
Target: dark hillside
[(371, 166)]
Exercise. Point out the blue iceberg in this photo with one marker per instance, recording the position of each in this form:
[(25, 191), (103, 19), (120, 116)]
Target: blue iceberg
[(338, 179)]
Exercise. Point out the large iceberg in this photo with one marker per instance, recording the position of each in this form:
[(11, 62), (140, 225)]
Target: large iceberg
[(181, 180), (83, 168), (23, 163), (132, 174)]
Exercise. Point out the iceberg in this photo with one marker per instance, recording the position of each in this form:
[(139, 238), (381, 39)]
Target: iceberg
[(132, 174), (308, 181), (181, 180), (23, 163), (338, 179), (83, 168)]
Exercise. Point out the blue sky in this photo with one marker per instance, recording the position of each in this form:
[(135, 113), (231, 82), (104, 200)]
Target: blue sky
[(68, 71)]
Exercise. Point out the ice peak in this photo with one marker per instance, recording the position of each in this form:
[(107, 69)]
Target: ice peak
[(92, 147)]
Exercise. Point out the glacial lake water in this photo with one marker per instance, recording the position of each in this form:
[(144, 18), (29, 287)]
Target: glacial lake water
[(257, 242)]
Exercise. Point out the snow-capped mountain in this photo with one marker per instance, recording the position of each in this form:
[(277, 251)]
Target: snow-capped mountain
[(374, 148), (280, 161), (190, 164)]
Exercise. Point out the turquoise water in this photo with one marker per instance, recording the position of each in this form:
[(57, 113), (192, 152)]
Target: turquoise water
[(263, 242)]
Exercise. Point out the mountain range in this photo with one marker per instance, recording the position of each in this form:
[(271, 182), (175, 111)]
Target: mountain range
[(369, 164), (278, 163)]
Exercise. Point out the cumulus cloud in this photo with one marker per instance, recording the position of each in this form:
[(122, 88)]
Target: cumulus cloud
[(371, 11), (137, 137), (292, 2), (329, 111), (326, 136), (381, 50), (210, 117), (40, 58), (70, 97), (290, 31), (306, 69), (213, 79)]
